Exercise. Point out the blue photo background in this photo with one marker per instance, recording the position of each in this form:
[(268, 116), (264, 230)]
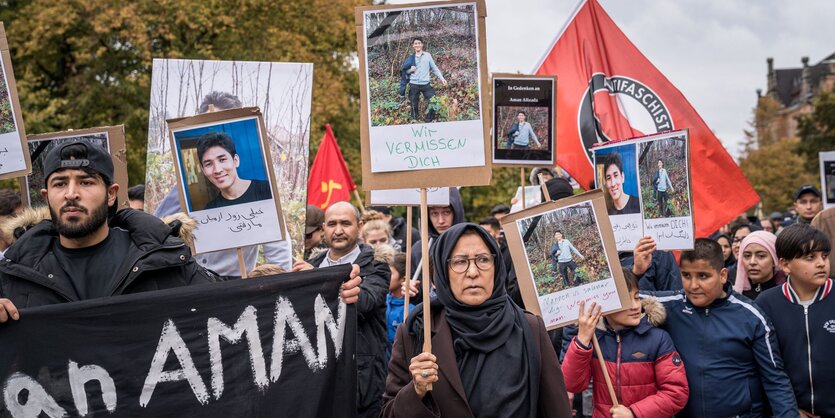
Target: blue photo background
[(244, 134), (630, 169)]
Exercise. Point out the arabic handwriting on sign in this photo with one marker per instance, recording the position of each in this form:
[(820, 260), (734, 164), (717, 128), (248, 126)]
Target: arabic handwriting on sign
[(4, 150)]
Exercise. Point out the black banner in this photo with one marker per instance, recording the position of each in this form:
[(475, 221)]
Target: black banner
[(272, 346)]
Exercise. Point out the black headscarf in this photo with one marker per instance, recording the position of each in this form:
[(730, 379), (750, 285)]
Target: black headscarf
[(494, 345)]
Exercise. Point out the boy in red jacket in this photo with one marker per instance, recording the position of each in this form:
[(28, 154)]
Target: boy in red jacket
[(646, 371)]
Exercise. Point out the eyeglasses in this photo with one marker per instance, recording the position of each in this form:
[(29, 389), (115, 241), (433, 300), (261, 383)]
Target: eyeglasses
[(461, 264)]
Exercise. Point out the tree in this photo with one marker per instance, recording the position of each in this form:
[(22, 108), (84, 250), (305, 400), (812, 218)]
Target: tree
[(88, 63), (775, 171), (817, 130)]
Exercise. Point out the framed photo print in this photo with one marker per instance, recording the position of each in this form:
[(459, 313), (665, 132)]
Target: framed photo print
[(111, 138), (524, 120), (827, 166), (423, 73), (225, 179), (564, 253)]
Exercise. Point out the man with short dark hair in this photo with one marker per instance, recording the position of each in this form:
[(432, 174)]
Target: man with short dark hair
[(662, 184), (77, 255), (619, 202), (342, 228), (416, 69), (136, 197), (500, 211), (807, 203), (219, 161)]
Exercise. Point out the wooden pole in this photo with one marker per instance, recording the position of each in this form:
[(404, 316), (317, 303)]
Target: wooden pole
[(544, 189), (359, 199), (424, 242), (522, 182), (242, 263), (408, 262), (605, 370)]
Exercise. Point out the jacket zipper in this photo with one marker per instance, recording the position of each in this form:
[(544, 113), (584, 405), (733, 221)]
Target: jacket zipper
[(809, 354), (617, 368)]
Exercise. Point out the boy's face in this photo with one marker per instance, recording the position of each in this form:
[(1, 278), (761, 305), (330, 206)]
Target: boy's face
[(630, 317), (220, 167), (614, 181), (810, 269), (702, 283), (417, 45)]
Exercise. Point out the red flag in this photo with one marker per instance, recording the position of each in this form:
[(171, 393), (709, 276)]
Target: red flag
[(329, 181), (608, 90)]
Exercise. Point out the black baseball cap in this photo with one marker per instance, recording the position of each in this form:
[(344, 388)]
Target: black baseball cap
[(385, 210), (806, 188), (97, 159)]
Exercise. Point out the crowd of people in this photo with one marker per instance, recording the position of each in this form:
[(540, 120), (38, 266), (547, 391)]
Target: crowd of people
[(737, 326)]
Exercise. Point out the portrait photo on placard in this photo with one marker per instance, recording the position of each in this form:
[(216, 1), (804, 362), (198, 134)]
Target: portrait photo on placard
[(827, 167), (617, 174), (523, 121), (423, 93), (14, 160), (665, 178), (564, 248), (222, 165), (38, 150)]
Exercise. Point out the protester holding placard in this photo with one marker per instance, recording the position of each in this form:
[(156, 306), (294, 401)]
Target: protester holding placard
[(489, 357), (342, 229)]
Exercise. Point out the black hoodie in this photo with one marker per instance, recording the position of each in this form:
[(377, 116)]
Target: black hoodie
[(457, 218)]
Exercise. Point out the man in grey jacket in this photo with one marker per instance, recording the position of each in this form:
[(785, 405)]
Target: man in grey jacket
[(419, 81)]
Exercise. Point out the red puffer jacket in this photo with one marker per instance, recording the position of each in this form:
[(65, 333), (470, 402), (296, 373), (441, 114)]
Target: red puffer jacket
[(645, 368)]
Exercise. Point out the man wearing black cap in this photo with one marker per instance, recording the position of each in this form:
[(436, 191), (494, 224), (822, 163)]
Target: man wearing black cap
[(77, 255), (807, 203)]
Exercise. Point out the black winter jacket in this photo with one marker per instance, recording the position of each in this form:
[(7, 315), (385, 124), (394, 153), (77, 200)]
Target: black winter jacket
[(30, 274), (372, 335)]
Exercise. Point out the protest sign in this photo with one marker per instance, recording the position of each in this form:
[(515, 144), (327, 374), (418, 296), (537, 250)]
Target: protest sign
[(564, 252), (533, 197), (282, 91), (226, 182), (14, 160), (425, 121), (436, 196), (524, 120), (827, 165), (647, 185), (111, 138), (270, 346)]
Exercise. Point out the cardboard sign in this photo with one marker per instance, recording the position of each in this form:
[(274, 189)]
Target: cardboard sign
[(533, 197), (14, 160), (564, 252), (827, 165), (237, 348), (225, 178), (111, 138), (425, 117), (283, 92), (435, 196), (524, 120), (647, 189)]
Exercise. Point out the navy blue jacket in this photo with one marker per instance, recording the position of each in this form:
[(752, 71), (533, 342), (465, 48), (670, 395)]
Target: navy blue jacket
[(662, 275), (731, 354), (807, 338), (404, 73)]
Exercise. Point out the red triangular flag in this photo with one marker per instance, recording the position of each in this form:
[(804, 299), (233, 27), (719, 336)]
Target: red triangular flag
[(608, 90), (329, 181)]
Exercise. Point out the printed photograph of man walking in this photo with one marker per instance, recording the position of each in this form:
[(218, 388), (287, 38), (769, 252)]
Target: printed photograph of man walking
[(664, 178), (423, 64), (564, 248)]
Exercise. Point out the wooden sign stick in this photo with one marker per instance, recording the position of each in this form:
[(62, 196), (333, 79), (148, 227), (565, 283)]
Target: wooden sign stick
[(544, 189), (424, 242), (242, 263), (605, 370), (359, 199), (522, 183), (408, 262)]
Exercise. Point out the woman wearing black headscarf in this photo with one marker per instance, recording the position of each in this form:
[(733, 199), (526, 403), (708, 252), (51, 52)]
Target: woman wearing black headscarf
[(491, 358)]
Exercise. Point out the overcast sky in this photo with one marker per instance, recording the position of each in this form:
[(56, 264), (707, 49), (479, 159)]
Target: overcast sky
[(714, 51)]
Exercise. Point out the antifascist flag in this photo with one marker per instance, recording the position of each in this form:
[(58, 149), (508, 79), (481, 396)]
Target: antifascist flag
[(263, 347), (330, 181), (608, 90)]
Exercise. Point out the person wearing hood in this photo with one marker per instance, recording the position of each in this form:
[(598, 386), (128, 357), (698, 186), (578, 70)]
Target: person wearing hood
[(441, 218), (489, 357), (758, 268)]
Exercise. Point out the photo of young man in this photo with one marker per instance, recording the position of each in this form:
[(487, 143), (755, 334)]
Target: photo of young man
[(618, 202), (219, 162), (416, 70), (662, 183)]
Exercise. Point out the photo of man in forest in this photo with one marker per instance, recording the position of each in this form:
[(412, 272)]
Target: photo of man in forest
[(416, 70), (561, 254), (662, 183)]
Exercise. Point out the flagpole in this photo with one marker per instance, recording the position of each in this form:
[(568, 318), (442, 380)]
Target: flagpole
[(242, 263), (359, 199), (408, 262), (424, 242)]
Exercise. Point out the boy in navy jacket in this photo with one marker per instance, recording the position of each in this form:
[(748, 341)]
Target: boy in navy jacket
[(728, 346), (804, 317)]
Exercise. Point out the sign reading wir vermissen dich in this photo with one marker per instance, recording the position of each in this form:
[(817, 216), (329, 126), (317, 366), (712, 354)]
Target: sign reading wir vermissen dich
[(273, 346)]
